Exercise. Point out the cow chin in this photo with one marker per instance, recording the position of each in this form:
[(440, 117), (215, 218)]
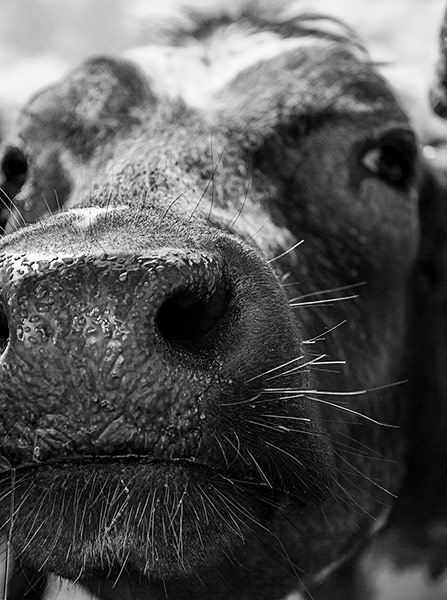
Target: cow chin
[(165, 519)]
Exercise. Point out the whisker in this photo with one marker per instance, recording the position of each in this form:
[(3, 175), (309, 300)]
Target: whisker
[(210, 181), (373, 453), (284, 278), (352, 501), (275, 368), (294, 458), (50, 212), (328, 291), (233, 221), (241, 402), (325, 302), (353, 412), (236, 448), (292, 564), (361, 392), (30, 539), (241, 509), (9, 540), (9, 207), (222, 450), (320, 336), (213, 185), (213, 505), (297, 368), (120, 571), (260, 471), (288, 394), (282, 428), (335, 371), (288, 417), (173, 202), (231, 511), (56, 196), (365, 476), (253, 235), (286, 252), (331, 362)]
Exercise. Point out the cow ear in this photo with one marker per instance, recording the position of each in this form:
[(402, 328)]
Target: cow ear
[(89, 105), (59, 130)]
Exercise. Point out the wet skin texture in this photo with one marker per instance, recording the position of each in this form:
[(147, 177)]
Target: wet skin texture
[(170, 418)]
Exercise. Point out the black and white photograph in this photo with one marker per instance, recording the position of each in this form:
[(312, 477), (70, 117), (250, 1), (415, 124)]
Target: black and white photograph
[(223, 300)]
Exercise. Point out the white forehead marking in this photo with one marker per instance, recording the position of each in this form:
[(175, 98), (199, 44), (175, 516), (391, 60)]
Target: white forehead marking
[(197, 70), (85, 217)]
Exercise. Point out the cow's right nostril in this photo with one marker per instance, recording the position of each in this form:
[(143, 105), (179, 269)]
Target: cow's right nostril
[(186, 317), (4, 328)]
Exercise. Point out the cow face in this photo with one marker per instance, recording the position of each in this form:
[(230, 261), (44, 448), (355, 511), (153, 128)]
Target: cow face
[(204, 299)]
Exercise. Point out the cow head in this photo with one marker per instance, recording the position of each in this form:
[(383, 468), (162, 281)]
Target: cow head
[(205, 309)]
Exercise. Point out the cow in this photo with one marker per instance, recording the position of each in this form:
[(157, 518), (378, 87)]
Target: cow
[(210, 287)]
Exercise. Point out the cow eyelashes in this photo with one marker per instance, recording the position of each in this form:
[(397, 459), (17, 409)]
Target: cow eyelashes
[(392, 161)]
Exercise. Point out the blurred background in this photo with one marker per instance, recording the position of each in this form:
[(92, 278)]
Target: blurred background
[(41, 39)]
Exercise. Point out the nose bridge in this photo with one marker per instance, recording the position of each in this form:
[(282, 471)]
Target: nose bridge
[(98, 301)]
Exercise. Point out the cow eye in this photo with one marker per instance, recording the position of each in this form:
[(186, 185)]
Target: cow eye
[(392, 162), (14, 166)]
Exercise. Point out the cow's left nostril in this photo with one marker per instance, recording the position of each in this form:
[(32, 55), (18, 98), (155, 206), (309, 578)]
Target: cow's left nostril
[(4, 328), (187, 317)]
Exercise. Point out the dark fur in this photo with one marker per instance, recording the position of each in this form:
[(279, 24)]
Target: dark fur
[(142, 444)]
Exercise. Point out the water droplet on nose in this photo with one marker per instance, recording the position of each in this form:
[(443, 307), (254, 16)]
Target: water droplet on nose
[(105, 404), (41, 307), (41, 291), (123, 276)]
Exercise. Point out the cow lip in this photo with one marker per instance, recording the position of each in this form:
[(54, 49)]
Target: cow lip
[(138, 460), (82, 460)]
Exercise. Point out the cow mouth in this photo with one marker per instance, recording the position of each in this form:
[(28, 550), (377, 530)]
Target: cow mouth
[(94, 460), (129, 463), (163, 518)]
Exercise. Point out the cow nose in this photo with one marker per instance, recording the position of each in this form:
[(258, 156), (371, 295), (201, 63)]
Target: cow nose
[(175, 298), (137, 355)]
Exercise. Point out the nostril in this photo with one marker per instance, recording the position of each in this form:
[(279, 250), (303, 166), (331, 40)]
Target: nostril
[(4, 328), (186, 317)]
